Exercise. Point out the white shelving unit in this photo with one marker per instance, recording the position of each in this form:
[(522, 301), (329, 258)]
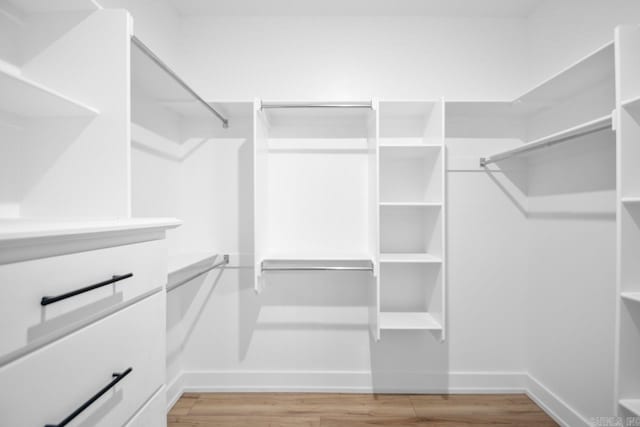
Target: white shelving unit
[(412, 216), (628, 229)]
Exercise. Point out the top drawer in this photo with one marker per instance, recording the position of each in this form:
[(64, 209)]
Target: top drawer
[(29, 324)]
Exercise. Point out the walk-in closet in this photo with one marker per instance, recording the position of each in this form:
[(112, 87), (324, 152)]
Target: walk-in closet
[(319, 213)]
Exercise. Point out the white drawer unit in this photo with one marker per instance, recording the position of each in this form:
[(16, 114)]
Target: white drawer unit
[(121, 356), (44, 299), (153, 413)]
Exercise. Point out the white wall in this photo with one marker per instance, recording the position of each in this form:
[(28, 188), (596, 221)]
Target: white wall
[(353, 57), (561, 32)]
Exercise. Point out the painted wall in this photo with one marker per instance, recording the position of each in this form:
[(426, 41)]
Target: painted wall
[(562, 32), (353, 57)]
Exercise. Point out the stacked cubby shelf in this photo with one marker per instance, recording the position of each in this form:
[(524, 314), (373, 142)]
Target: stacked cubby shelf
[(411, 167), (628, 268)]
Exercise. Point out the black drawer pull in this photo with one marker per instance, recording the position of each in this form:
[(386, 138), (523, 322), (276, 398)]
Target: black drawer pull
[(114, 279), (116, 379)]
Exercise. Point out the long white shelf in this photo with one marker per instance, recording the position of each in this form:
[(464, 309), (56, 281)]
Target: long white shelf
[(630, 200), (409, 258), (575, 131), (408, 321), (631, 405), (631, 296), (25, 97)]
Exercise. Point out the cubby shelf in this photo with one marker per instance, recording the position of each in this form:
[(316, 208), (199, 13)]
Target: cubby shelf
[(25, 97), (631, 296), (407, 143), (408, 321), (407, 258), (418, 204), (631, 405)]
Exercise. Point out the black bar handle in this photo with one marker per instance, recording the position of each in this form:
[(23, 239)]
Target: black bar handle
[(116, 379), (114, 279)]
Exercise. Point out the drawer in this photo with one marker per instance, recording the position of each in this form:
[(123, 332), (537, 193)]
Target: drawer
[(153, 413), (23, 284), (49, 384)]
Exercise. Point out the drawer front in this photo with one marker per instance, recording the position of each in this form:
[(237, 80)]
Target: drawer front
[(24, 284), (153, 413), (49, 384)]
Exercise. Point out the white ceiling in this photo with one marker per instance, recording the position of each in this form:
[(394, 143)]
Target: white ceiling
[(462, 8)]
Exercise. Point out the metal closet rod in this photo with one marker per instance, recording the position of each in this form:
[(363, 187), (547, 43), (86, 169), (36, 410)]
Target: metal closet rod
[(225, 261), (174, 76), (484, 161), (276, 105)]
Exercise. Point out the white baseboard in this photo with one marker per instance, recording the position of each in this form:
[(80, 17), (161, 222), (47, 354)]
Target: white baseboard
[(555, 407), (175, 389), (353, 382), (365, 382)]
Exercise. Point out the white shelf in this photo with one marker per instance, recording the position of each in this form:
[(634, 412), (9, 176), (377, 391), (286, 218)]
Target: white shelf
[(409, 258), (631, 405), (631, 296), (630, 200), (407, 143), (544, 141), (24, 97), (418, 204), (408, 321), (632, 103)]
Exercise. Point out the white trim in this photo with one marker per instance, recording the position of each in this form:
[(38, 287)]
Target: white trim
[(492, 382), (175, 390), (352, 382), (553, 405)]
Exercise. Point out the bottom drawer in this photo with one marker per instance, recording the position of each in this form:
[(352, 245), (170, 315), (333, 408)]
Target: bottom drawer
[(48, 385), (153, 413)]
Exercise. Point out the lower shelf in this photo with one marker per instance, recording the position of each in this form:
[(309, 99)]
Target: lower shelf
[(409, 258), (631, 405), (408, 321)]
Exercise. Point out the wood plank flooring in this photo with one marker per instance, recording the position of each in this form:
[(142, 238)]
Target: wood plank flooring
[(354, 410)]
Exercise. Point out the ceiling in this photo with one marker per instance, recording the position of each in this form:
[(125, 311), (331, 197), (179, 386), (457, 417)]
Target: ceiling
[(460, 8)]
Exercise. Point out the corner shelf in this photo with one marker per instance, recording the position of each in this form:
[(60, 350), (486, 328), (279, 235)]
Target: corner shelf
[(631, 405), (408, 321), (631, 296), (409, 258), (27, 98), (572, 132)]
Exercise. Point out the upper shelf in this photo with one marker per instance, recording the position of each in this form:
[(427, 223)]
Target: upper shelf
[(25, 97), (160, 83), (596, 68)]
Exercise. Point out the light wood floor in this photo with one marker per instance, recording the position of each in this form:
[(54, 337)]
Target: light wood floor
[(354, 410)]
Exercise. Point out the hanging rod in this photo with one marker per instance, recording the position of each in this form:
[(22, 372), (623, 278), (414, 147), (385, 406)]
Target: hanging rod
[(551, 140), (274, 105), (264, 266), (225, 261), (174, 76)]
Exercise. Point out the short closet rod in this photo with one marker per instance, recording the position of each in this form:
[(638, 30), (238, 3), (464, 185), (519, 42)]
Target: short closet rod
[(170, 72), (225, 261), (316, 105), (484, 161)]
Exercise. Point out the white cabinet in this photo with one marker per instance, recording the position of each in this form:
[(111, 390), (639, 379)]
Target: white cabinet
[(104, 280), (48, 385)]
